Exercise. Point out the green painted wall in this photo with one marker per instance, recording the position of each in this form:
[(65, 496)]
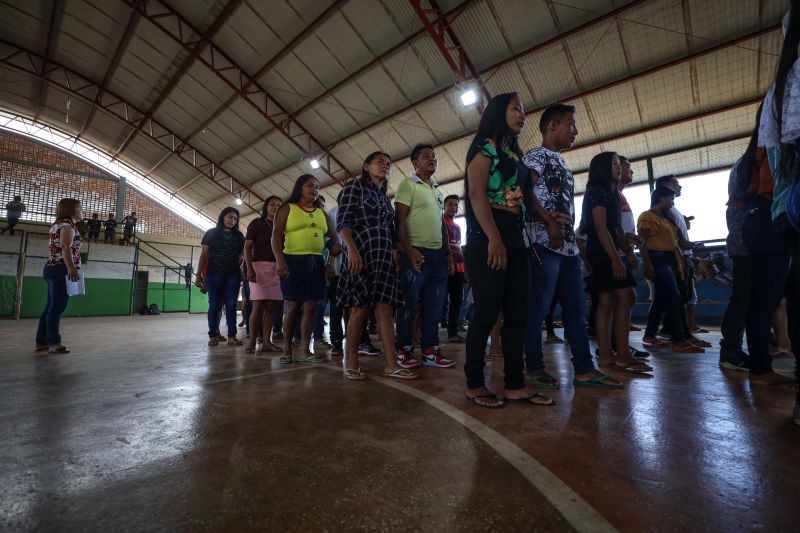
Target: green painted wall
[(103, 297), (8, 295), (173, 297)]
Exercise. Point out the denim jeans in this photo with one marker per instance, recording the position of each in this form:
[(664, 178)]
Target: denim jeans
[(431, 286), (222, 289), (455, 291), (248, 306), (557, 273), (668, 298), (495, 291), (57, 299), (735, 318)]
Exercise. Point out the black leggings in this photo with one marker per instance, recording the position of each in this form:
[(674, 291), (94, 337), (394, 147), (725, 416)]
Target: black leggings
[(495, 291)]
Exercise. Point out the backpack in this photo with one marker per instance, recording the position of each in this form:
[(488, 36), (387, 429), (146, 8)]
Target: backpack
[(144, 310), (154, 310)]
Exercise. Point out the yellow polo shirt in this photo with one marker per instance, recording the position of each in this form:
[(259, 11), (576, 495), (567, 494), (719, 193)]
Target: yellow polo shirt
[(425, 202)]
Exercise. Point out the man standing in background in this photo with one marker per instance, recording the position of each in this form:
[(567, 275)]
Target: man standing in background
[(14, 210)]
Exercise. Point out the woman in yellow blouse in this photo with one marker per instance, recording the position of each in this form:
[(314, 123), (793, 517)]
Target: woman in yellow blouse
[(663, 265)]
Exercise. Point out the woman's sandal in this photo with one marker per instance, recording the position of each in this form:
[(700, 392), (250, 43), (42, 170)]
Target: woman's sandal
[(233, 341), (635, 367), (285, 359), (213, 342), (41, 348), (401, 373), (251, 348), (536, 399), (603, 382), (312, 360), (700, 343), (58, 348), (354, 374), (497, 402), (271, 348), (544, 381)]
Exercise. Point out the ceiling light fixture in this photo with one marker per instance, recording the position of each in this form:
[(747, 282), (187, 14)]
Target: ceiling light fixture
[(314, 164), (468, 97), (238, 201)]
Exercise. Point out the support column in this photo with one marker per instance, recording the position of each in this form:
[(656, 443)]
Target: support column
[(121, 186), (651, 179)]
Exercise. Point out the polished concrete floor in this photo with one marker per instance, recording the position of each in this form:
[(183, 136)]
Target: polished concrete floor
[(143, 427)]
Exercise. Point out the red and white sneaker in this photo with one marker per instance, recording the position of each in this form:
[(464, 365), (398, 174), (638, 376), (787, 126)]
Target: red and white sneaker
[(433, 357), (405, 358)]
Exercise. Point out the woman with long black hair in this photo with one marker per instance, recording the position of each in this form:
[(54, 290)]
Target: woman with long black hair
[(262, 274), (298, 242), (365, 220), (496, 257), (220, 273), (611, 280)]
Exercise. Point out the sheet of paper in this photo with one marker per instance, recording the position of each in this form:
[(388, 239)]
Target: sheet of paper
[(76, 287)]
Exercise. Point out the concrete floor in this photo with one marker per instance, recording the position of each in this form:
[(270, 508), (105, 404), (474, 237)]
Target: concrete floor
[(143, 427)]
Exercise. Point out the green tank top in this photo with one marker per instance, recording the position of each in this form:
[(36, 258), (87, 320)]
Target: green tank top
[(305, 231)]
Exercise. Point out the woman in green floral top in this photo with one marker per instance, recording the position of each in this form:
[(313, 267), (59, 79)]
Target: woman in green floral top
[(495, 257)]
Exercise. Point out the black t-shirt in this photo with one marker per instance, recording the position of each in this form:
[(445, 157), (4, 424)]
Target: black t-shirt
[(226, 248), (94, 224), (599, 196), (129, 223), (111, 224)]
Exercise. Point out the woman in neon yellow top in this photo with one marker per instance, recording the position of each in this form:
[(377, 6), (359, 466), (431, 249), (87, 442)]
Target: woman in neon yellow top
[(298, 241)]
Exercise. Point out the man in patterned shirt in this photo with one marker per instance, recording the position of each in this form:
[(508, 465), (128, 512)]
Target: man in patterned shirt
[(552, 241)]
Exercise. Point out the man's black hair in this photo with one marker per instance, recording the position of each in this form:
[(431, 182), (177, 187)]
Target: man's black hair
[(554, 112), (664, 180), (419, 148), (452, 197)]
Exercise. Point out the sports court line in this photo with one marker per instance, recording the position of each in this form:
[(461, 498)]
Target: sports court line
[(574, 509)]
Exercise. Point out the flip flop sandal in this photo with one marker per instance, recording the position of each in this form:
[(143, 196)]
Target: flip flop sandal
[(354, 374), (41, 348), (401, 373), (542, 400), (213, 342), (700, 343), (58, 348), (233, 341), (250, 349), (783, 354), (600, 382), (474, 399), (545, 381), (285, 359), (699, 330), (632, 368), (655, 345), (313, 360)]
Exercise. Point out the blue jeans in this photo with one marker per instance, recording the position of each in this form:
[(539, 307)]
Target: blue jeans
[(668, 298), (431, 286), (57, 300), (248, 306), (222, 288), (562, 274)]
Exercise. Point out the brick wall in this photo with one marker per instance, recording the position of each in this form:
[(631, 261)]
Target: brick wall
[(42, 176)]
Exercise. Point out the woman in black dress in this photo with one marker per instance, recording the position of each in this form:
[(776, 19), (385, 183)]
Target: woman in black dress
[(611, 277), (365, 221)]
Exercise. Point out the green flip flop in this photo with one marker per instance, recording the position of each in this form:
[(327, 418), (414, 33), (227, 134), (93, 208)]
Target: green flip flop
[(600, 382), (313, 360), (544, 381)]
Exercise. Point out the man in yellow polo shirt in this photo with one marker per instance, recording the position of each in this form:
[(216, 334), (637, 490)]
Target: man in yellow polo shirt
[(425, 260)]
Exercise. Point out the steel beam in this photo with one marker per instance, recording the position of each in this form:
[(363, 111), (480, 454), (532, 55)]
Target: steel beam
[(622, 81), (221, 64), (305, 32), (130, 29), (56, 14), (561, 36), (77, 86), (199, 42)]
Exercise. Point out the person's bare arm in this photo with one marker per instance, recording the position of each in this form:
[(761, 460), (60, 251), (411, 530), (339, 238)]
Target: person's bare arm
[(66, 235), (647, 263), (248, 260), (331, 234), (279, 226), (202, 263)]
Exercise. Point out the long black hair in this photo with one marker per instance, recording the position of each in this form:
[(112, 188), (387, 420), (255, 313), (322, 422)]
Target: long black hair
[(364, 173), (297, 191), (600, 170), (221, 220), (266, 203), (744, 170), (791, 40), (494, 126)]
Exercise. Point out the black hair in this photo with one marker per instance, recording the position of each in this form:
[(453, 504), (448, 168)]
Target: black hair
[(17, 198), (221, 219), (663, 180), (659, 193), (744, 170), (791, 40), (452, 197), (419, 148), (494, 126), (554, 112), (364, 174), (600, 170), (266, 203), (623, 158), (297, 190)]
